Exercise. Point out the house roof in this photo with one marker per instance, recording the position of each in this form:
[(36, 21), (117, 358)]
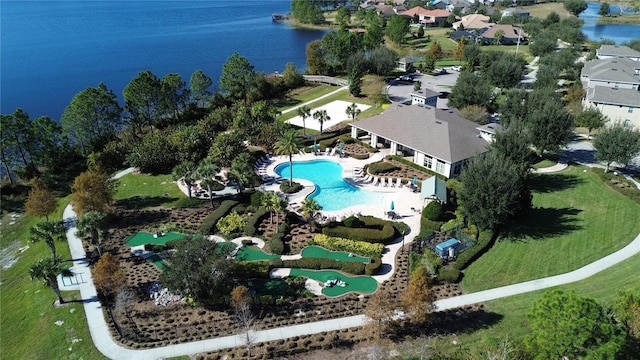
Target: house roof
[(613, 96), (617, 50), (434, 187), (415, 10), (456, 35), (474, 21), (510, 32), (426, 93), (613, 70), (491, 128), (438, 13), (443, 134)]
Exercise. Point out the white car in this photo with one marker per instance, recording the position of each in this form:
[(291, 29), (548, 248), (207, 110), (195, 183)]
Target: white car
[(456, 68)]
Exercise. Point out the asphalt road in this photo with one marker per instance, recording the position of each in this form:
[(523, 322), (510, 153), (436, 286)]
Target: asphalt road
[(400, 91)]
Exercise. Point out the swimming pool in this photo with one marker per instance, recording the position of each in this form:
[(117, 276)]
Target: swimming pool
[(332, 192)]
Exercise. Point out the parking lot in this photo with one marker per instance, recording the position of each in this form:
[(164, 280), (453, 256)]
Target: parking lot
[(399, 90)]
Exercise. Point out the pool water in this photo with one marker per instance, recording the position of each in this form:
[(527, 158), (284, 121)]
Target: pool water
[(332, 192)]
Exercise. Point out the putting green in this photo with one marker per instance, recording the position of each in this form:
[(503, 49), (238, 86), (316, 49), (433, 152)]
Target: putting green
[(142, 238), (319, 252), (361, 284), (254, 253)]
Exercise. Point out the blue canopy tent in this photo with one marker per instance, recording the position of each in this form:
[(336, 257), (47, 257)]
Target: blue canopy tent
[(434, 188)]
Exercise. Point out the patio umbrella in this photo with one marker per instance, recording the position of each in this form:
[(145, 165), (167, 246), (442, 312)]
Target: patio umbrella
[(392, 205), (414, 182), (341, 152), (315, 146)]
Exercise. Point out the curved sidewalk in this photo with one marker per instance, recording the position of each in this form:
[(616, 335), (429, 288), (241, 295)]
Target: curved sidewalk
[(103, 341)]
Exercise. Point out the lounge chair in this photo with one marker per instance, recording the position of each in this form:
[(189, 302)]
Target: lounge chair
[(333, 152), (327, 151), (367, 179), (399, 183), (392, 183), (386, 182), (375, 181)]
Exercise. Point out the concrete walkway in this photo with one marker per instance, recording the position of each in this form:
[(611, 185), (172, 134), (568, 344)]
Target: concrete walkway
[(106, 345), (315, 100)]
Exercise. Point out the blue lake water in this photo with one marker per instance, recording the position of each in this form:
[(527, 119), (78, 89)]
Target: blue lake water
[(51, 50), (332, 192), (616, 32)]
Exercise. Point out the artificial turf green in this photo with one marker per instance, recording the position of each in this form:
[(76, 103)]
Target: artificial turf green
[(361, 284), (142, 238), (254, 253), (319, 252)]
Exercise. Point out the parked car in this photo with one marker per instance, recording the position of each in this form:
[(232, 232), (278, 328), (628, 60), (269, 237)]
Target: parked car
[(439, 71), (406, 78), (456, 68)]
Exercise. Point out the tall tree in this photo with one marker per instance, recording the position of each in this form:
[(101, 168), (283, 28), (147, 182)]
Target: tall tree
[(47, 270), (575, 6), (459, 52), (93, 224), (49, 232), (549, 123), (617, 143), (142, 98), (382, 60), (41, 200), (417, 299), (289, 145), (310, 210), (513, 143), (565, 325), (238, 77), (380, 313), (174, 95), (199, 87), (343, 17), (186, 172), (241, 171), (206, 173), (92, 191), (436, 50), (304, 112), (270, 203), (353, 111), (592, 119), (92, 115), (108, 276), (397, 28), (206, 277), (307, 11), (226, 147), (316, 62), (241, 303), (292, 78), (321, 116), (492, 190), (470, 89)]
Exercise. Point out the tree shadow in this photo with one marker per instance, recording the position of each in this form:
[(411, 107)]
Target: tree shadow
[(141, 202), (463, 320), (540, 223), (546, 183)]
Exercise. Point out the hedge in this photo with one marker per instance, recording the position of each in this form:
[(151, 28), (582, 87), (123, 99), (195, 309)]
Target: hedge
[(254, 220), (374, 230), (253, 269), (209, 224), (357, 247), (433, 211), (415, 166), (484, 242), (428, 227), (294, 188), (351, 267), (631, 192), (449, 274), (276, 245), (382, 168)]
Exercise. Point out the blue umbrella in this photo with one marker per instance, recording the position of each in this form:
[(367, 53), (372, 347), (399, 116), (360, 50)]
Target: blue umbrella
[(392, 206), (341, 148), (315, 146), (415, 180)]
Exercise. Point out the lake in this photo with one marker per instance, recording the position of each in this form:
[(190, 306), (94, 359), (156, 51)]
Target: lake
[(51, 50), (616, 32)]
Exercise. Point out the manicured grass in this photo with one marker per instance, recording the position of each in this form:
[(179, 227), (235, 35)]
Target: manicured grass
[(575, 220), (142, 238), (319, 252), (542, 10), (509, 315), (361, 284), (27, 321), (631, 19), (254, 253), (139, 191)]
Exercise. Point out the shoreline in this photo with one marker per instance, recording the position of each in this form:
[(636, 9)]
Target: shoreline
[(626, 19)]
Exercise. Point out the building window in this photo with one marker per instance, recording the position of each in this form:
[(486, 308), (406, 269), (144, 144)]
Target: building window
[(440, 167), (428, 161), (630, 111), (627, 122)]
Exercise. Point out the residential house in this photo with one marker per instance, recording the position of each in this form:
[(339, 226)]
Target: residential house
[(388, 10), (617, 51), (611, 72), (460, 5), (618, 104), (427, 17), (510, 35), (519, 13), (426, 97), (439, 5), (438, 139), (459, 34), (406, 63), (473, 22)]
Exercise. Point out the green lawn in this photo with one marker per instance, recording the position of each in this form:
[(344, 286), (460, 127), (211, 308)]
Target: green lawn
[(575, 220), (138, 191), (27, 317), (361, 284), (142, 238), (320, 252), (302, 95)]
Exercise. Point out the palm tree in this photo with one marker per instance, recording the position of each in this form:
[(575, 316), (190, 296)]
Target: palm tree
[(92, 224), (186, 171), (206, 172), (270, 202), (304, 112), (280, 206), (241, 171), (353, 111), (499, 35), (47, 270), (289, 144), (321, 116), (310, 209), (49, 232)]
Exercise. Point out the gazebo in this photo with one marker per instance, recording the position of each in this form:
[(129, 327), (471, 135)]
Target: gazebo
[(434, 188)]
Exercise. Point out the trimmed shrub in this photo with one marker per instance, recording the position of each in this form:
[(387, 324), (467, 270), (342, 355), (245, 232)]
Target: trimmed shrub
[(449, 274), (433, 211), (294, 188), (432, 261), (352, 222), (247, 242), (253, 269), (209, 224), (382, 167), (415, 260), (415, 166), (252, 222), (359, 156), (372, 267), (484, 242), (276, 244), (374, 230), (428, 227), (351, 267), (256, 199), (357, 247), (231, 223)]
